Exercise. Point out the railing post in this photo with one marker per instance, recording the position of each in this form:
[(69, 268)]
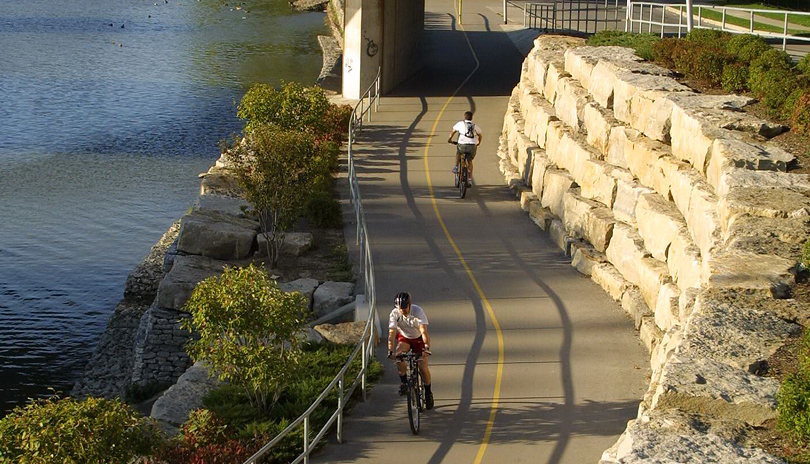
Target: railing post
[(340, 411), (363, 368), (680, 20), (306, 439), (649, 26), (784, 37), (723, 22), (663, 18)]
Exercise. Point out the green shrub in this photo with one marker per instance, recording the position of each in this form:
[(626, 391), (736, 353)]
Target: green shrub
[(324, 211), (293, 107), (735, 77), (641, 43), (746, 47), (67, 430), (763, 68), (800, 121), (708, 64), (248, 331), (203, 428), (664, 50), (793, 398), (804, 65), (683, 56), (711, 37), (806, 254)]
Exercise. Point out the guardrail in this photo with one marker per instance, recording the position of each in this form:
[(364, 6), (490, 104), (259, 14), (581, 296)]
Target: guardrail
[(364, 347), (580, 16), (659, 15)]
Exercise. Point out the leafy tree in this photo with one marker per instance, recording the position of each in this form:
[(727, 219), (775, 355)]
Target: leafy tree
[(68, 430), (293, 107), (278, 170), (248, 330)]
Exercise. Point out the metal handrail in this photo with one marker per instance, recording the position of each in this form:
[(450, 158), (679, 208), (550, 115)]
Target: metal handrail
[(580, 15), (640, 7), (365, 346)]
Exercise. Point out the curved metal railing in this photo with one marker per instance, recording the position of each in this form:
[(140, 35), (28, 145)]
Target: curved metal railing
[(364, 347)]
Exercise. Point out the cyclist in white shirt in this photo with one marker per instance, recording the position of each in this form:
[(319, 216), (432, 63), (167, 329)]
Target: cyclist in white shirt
[(469, 137), (408, 325)]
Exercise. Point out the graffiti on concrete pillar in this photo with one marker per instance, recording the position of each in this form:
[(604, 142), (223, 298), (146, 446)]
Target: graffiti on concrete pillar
[(371, 47), (349, 63)]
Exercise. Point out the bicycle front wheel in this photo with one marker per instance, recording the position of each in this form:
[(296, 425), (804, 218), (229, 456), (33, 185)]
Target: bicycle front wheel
[(414, 410), (462, 187)]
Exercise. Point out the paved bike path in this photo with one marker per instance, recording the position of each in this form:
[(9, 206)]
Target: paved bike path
[(571, 368)]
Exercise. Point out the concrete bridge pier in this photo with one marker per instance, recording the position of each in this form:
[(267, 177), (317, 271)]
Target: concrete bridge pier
[(380, 34)]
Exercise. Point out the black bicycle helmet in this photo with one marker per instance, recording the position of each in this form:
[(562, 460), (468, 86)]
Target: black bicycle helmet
[(402, 300)]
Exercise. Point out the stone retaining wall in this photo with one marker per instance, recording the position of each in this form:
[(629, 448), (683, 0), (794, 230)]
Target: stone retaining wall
[(677, 205)]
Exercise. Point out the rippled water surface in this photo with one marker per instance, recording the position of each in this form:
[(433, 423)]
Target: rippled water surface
[(108, 111)]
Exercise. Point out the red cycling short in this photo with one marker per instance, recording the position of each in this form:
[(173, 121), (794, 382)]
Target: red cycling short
[(416, 344)]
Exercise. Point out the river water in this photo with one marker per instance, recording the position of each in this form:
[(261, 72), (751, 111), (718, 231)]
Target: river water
[(108, 111)]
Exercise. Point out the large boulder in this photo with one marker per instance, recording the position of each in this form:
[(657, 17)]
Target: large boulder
[(223, 204), (216, 235), (346, 333), (186, 273), (294, 244), (330, 296), (174, 406), (305, 287)]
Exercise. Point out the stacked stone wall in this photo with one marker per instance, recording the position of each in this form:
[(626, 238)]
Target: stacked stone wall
[(677, 205)]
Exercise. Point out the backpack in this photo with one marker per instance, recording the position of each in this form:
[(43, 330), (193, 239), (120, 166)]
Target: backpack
[(470, 126)]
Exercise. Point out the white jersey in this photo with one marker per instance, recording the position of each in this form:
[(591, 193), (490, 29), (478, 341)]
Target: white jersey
[(408, 326), (468, 132)]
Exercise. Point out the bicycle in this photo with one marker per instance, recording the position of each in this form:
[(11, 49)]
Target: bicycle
[(461, 174), (416, 389)]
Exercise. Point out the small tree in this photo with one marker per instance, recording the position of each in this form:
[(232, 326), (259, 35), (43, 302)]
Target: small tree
[(278, 170), (71, 430), (293, 107), (248, 331)]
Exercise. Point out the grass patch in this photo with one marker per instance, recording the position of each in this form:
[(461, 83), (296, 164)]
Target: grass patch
[(793, 20), (340, 270)]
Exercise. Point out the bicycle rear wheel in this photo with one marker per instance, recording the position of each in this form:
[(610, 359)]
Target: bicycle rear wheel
[(456, 177), (414, 409), (462, 188)]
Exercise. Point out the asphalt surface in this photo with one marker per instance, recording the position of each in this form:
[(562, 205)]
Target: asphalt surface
[(532, 361)]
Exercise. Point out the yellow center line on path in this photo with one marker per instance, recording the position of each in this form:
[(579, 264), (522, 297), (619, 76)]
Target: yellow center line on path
[(499, 373)]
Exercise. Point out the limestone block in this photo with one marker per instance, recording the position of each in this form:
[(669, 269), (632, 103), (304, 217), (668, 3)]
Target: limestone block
[(555, 184), (628, 84), (216, 235), (709, 388), (686, 304), (763, 202), (633, 303), (604, 75), (682, 181), (625, 251), (538, 113), (554, 135), (659, 222), (663, 352), (652, 275), (667, 306), (596, 179), (584, 257), (539, 168), (617, 143), (767, 274), (782, 237), (736, 328), (345, 333), (540, 215), (572, 152), (666, 171), (649, 334), (175, 404), (219, 181), (741, 154), (642, 154), (627, 195), (581, 61), (555, 72), (587, 219), (599, 124), (570, 102), (606, 276), (556, 231), (703, 219), (525, 154), (685, 263), (537, 67), (186, 273), (526, 197), (731, 177), (305, 287), (231, 206), (330, 296), (669, 436)]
